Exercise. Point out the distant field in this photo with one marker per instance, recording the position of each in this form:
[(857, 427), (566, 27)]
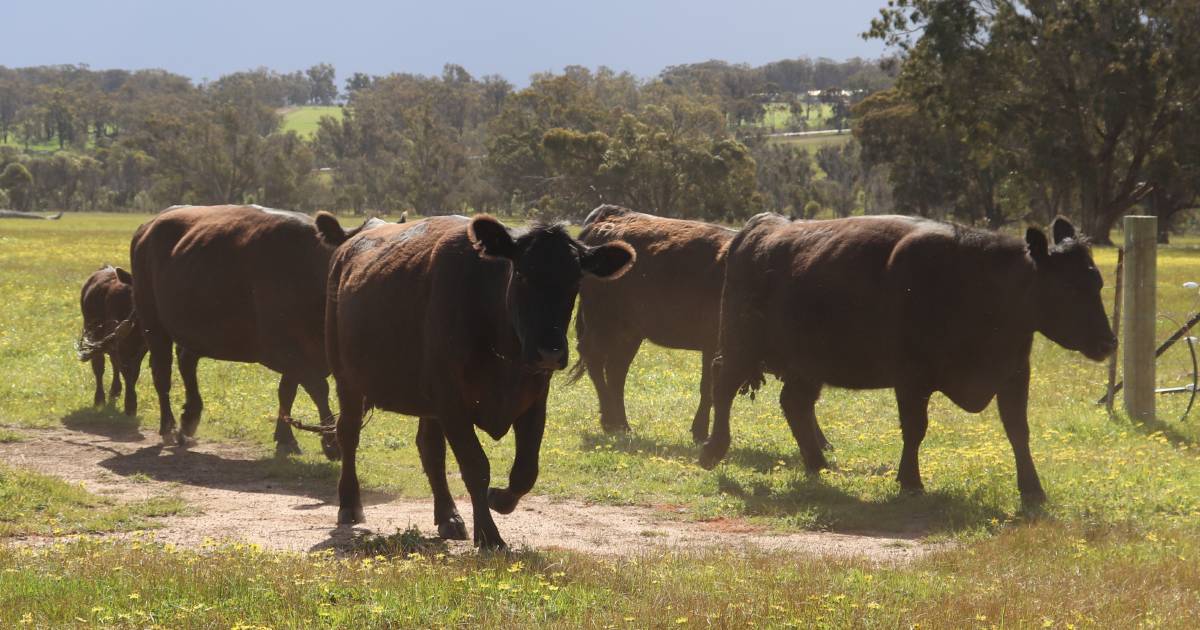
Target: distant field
[(778, 117), (303, 120)]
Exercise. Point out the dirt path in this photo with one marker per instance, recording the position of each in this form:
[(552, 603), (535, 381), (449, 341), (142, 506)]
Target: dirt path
[(224, 483)]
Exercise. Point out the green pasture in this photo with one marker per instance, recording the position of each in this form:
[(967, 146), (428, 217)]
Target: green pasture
[(1113, 546), (303, 120), (779, 117)]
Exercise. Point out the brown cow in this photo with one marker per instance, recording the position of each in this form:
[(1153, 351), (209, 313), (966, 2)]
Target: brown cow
[(234, 283), (109, 328), (673, 299), (903, 303), (459, 323)]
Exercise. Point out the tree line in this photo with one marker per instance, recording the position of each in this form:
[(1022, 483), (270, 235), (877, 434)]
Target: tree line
[(680, 144), (989, 112)]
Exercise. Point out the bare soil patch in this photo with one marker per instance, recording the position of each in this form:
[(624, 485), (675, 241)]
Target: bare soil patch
[(234, 500)]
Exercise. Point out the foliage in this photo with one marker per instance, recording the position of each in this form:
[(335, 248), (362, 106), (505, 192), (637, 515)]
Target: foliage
[(1076, 93)]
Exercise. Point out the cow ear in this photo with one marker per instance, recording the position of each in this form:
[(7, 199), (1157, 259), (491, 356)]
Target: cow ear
[(330, 229), (1035, 241), (609, 261), (490, 238), (123, 276), (1062, 230)]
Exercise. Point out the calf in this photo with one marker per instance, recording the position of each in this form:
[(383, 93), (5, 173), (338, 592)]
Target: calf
[(903, 303), (459, 323), (110, 328)]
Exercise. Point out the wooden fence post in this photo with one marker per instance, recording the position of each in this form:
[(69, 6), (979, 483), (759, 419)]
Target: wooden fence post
[(1140, 315)]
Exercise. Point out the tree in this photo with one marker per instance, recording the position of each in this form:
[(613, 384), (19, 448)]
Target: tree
[(1085, 86), (842, 169), (17, 183), (324, 88)]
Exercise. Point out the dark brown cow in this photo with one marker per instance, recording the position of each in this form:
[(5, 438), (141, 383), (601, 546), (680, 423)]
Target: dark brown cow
[(234, 283), (902, 303), (672, 298), (461, 324), (109, 328)]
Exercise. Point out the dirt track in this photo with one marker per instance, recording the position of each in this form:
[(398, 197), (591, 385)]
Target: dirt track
[(225, 485)]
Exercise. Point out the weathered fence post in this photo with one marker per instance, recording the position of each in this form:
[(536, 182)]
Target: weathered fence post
[(1141, 242)]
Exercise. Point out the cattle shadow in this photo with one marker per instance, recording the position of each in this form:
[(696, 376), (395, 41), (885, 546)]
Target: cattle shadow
[(902, 514), (106, 421), (271, 475), (810, 499), (759, 460)]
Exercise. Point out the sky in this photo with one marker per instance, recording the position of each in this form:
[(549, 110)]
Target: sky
[(204, 39)]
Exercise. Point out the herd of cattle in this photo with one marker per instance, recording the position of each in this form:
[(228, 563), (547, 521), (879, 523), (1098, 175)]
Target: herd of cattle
[(461, 323)]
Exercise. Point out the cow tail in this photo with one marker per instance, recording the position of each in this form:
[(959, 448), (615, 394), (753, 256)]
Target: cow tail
[(577, 370)]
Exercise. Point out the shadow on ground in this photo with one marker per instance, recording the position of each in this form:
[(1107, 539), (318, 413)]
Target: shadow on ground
[(755, 459), (811, 502), (830, 508), (288, 476), (106, 421)]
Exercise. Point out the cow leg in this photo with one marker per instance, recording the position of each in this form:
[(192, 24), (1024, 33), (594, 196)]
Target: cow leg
[(160, 371), (616, 369), (914, 420), (431, 445), (317, 389), (1013, 403), (114, 391), (192, 404), (700, 421), (476, 474), (349, 426), (131, 370), (285, 440), (528, 431), (798, 400), (98, 372), (593, 361), (727, 378)]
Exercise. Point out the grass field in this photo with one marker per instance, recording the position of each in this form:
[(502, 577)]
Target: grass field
[(1115, 546), (303, 120), (812, 143)]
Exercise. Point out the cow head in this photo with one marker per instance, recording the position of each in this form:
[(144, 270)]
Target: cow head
[(547, 265), (1069, 310)]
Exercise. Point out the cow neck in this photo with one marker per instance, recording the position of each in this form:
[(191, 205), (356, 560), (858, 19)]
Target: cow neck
[(505, 344)]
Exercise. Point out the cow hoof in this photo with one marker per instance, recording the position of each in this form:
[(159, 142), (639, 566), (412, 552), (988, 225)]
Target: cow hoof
[(1033, 499), (330, 447), (502, 500), (490, 544), (699, 438), (453, 529), (917, 488), (351, 516), (168, 438), (283, 449), (614, 429), (711, 455), (185, 441)]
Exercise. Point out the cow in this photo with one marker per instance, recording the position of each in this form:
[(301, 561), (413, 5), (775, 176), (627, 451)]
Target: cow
[(110, 329), (673, 299), (235, 283), (910, 304), (459, 323)]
